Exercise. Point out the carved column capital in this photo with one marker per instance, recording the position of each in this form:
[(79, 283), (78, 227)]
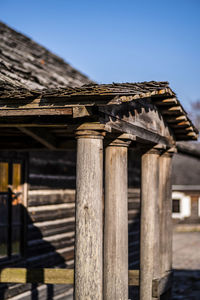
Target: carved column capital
[(88, 134), (123, 140)]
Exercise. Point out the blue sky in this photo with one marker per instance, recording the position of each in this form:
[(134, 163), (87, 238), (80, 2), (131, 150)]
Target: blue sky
[(118, 41)]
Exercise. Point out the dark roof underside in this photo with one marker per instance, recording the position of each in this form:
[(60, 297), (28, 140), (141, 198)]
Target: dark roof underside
[(24, 63)]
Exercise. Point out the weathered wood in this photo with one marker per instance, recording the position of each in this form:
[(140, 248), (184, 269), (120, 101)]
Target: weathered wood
[(42, 136), (165, 101), (94, 126), (133, 277), (162, 285), (175, 119), (116, 222), (89, 226), (140, 118), (166, 212), (35, 112), (174, 110), (81, 111), (47, 276), (149, 195), (40, 124)]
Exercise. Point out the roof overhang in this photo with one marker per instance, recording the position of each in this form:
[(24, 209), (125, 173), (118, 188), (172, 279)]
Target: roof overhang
[(148, 110)]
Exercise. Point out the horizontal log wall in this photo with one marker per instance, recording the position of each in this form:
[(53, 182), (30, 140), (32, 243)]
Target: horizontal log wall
[(51, 224)]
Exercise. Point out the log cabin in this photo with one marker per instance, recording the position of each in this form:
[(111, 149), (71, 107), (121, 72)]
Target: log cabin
[(69, 151)]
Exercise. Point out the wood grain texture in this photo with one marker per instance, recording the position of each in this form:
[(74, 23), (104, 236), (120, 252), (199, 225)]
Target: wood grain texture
[(89, 240), (47, 276), (166, 213), (162, 285), (149, 195), (116, 224)]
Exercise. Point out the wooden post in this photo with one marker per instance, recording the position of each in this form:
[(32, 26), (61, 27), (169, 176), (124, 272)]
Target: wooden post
[(149, 200), (165, 215), (89, 243), (116, 222)]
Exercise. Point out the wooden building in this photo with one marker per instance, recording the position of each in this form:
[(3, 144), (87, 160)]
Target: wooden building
[(186, 186), (57, 137)]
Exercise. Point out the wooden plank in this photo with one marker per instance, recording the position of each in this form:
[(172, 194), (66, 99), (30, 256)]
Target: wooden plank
[(35, 112), (13, 125), (133, 277), (42, 136), (162, 285), (49, 276)]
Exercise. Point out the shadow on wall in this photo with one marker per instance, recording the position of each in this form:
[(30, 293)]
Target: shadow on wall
[(36, 253)]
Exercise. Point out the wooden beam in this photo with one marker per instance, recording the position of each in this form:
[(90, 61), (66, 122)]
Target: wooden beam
[(41, 136), (12, 125), (140, 118), (140, 132), (175, 119), (133, 277), (162, 285), (35, 112), (176, 110), (49, 276), (167, 101)]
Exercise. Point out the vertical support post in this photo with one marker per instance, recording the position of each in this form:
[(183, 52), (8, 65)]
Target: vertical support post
[(89, 241), (149, 200), (116, 221), (166, 214)]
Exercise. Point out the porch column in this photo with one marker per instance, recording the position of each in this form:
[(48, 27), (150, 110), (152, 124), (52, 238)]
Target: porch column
[(149, 202), (116, 221), (88, 241), (166, 215)]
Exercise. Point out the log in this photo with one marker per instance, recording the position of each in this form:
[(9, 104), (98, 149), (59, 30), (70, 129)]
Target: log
[(89, 226), (116, 222), (149, 196)]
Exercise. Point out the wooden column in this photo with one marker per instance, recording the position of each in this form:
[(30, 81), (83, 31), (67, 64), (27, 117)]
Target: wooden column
[(149, 201), (165, 215), (116, 221), (89, 242)]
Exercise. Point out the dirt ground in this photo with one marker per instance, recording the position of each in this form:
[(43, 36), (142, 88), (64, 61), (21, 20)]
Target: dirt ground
[(186, 265)]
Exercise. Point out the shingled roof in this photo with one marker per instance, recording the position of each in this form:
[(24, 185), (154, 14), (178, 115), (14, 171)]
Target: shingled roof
[(26, 64), (34, 76)]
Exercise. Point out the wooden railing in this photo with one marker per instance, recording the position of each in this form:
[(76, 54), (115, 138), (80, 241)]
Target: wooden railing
[(66, 276)]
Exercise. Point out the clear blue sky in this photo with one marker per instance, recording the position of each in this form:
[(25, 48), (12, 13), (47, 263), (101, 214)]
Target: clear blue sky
[(118, 41)]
